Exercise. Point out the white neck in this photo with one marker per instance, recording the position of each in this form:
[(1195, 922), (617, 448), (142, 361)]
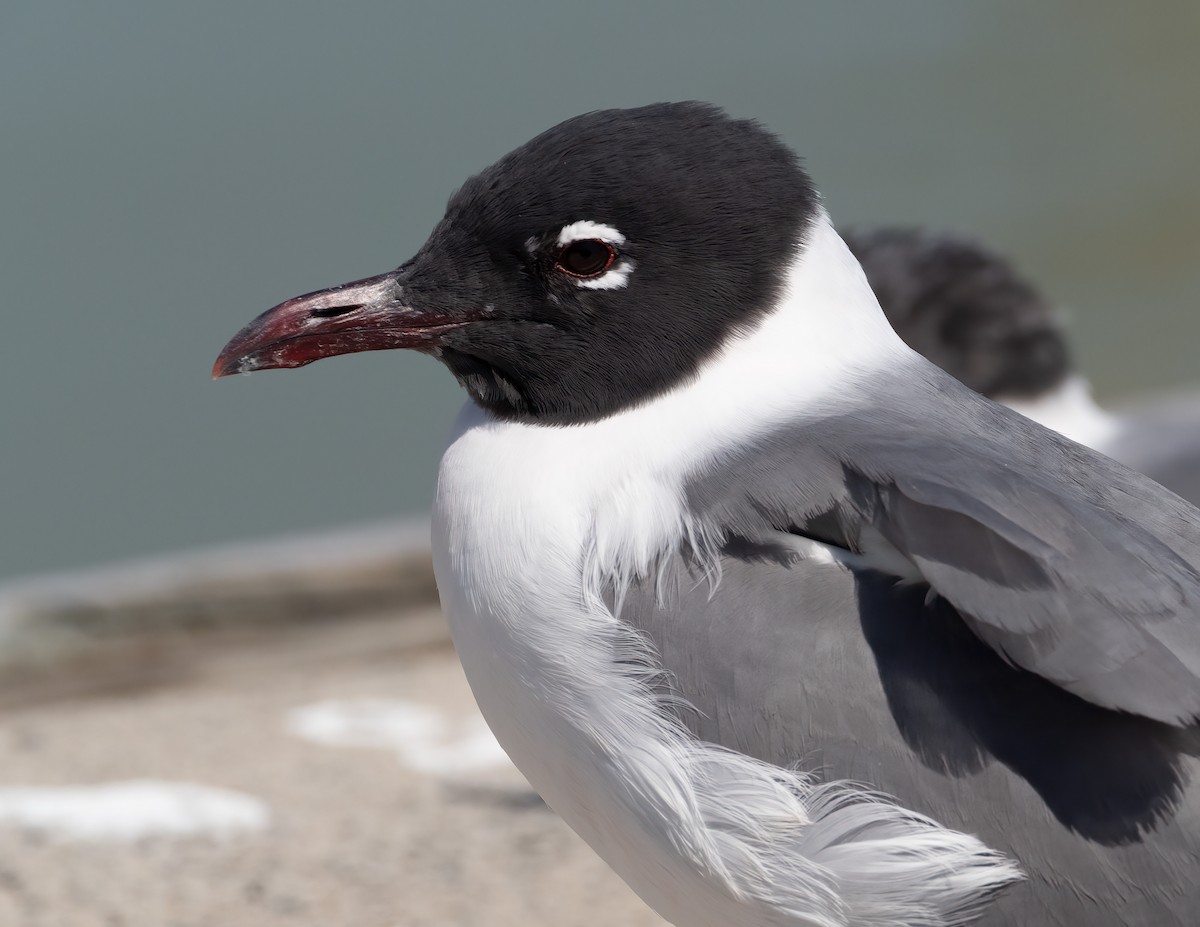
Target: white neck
[(827, 329), (1070, 410)]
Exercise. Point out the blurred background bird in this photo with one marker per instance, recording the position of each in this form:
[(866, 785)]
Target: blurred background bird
[(967, 309)]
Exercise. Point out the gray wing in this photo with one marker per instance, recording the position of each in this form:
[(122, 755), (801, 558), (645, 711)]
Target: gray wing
[(852, 676), (1067, 563)]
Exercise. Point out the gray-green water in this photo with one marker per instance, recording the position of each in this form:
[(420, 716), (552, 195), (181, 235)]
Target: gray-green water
[(168, 170)]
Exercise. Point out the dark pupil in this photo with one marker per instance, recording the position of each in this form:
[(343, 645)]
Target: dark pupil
[(585, 258)]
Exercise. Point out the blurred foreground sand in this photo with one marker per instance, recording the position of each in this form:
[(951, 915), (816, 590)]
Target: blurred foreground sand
[(356, 837)]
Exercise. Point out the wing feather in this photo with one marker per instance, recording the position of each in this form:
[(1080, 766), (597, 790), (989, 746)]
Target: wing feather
[(1069, 564)]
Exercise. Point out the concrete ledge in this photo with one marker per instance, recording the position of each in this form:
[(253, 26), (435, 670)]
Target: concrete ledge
[(58, 621)]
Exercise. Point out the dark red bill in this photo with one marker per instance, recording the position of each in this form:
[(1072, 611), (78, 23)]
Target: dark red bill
[(366, 315)]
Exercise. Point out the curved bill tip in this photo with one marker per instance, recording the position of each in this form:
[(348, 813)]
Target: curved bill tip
[(262, 343), (224, 367)]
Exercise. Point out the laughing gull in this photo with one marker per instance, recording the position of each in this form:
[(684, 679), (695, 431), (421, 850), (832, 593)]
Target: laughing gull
[(970, 312), (788, 624)]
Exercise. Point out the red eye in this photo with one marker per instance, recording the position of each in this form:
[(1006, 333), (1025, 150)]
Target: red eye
[(588, 257)]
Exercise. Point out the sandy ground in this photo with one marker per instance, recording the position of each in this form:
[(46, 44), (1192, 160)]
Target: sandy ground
[(357, 836)]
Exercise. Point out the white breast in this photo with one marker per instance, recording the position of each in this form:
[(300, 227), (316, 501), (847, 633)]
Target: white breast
[(510, 532), (529, 521)]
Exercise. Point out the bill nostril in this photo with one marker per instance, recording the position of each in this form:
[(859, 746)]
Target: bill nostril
[(330, 312)]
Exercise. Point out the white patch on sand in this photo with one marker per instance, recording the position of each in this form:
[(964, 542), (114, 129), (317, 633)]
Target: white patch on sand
[(424, 739), (129, 811)]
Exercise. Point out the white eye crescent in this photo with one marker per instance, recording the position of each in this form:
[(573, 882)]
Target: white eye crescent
[(577, 230), (588, 252)]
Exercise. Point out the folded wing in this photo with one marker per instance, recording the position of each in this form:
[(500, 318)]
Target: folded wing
[(1068, 564)]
